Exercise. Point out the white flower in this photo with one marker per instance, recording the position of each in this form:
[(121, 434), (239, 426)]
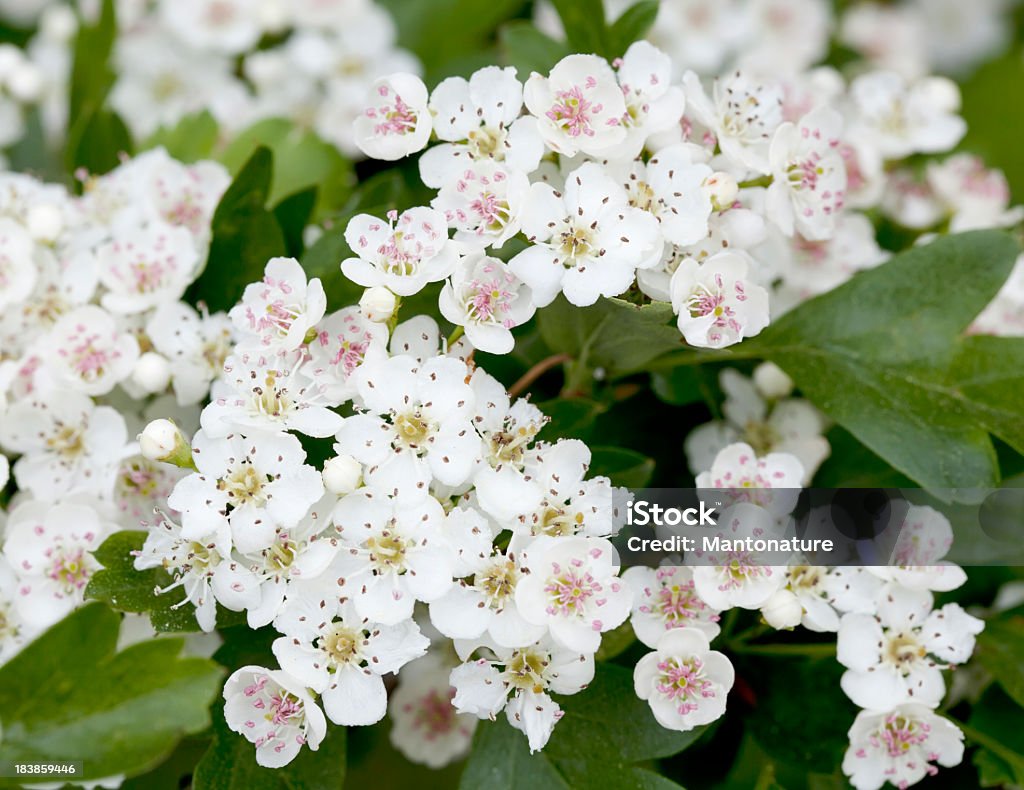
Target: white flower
[(392, 554), (49, 548), (479, 121), (898, 119), (652, 103), (899, 746), (417, 424), (87, 351), (15, 630), (673, 186), (152, 373), (275, 712), (507, 428), (196, 345), (281, 308), (204, 569), (791, 426), (342, 656), (976, 196), (588, 242), (741, 113), (573, 588), (897, 655), (772, 482), (403, 254), (17, 263), (425, 727), (343, 340), (579, 107), (68, 444), (483, 687), (229, 26), (486, 605), (484, 203), (716, 301), (488, 300), (396, 121), (664, 599), (809, 175), (144, 267), (257, 484), (269, 392), (141, 487), (923, 538), (814, 596), (684, 681)]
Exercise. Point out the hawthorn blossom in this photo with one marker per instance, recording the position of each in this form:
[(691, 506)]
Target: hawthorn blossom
[(478, 120), (809, 173), (665, 599), (484, 203), (15, 630), (342, 656), (653, 104), (195, 344), (484, 296), (923, 538), (717, 302), (425, 727), (204, 569), (256, 484), (49, 548), (17, 263), (507, 428), (673, 186), (416, 425), (274, 711), (975, 196), (772, 481), (86, 351), (587, 242), (900, 746), (579, 106), (572, 587), (396, 121), (230, 26), (344, 339), (897, 655), (683, 680), (405, 253), (518, 681), (282, 308)]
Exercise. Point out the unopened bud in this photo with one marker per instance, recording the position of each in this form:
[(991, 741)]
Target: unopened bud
[(722, 189), (25, 82), (162, 440), (342, 474), (771, 381), (44, 222), (378, 304), (782, 610), (152, 372)]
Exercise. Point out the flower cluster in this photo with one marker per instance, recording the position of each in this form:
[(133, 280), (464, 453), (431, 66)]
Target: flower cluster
[(92, 328), (733, 199)]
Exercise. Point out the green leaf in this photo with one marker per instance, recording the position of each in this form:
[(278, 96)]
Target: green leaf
[(879, 355), (245, 236), (96, 142), (91, 73), (191, 139), (70, 696), (625, 467), (989, 371), (301, 160), (613, 334), (995, 725), (606, 729), (852, 465), (680, 385), (1001, 652), (585, 26), (570, 418), (230, 764), (528, 49), (632, 25), (293, 215)]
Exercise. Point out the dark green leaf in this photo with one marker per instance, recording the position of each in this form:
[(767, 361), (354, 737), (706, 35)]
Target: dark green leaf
[(230, 764), (293, 215), (585, 26), (528, 49), (679, 386), (995, 725), (69, 696), (571, 418), (96, 142), (632, 25), (245, 236), (91, 74), (879, 356), (190, 140), (625, 467), (1001, 652)]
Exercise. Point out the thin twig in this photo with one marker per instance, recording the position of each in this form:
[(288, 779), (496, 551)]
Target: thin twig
[(536, 372)]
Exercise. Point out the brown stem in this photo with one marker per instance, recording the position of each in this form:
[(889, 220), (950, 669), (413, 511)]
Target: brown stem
[(536, 372)]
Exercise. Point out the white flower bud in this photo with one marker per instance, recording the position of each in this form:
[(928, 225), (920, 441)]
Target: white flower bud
[(25, 82), (58, 24), (44, 222), (771, 381), (342, 474), (162, 440), (378, 304), (152, 372), (722, 189), (10, 58), (782, 610)]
